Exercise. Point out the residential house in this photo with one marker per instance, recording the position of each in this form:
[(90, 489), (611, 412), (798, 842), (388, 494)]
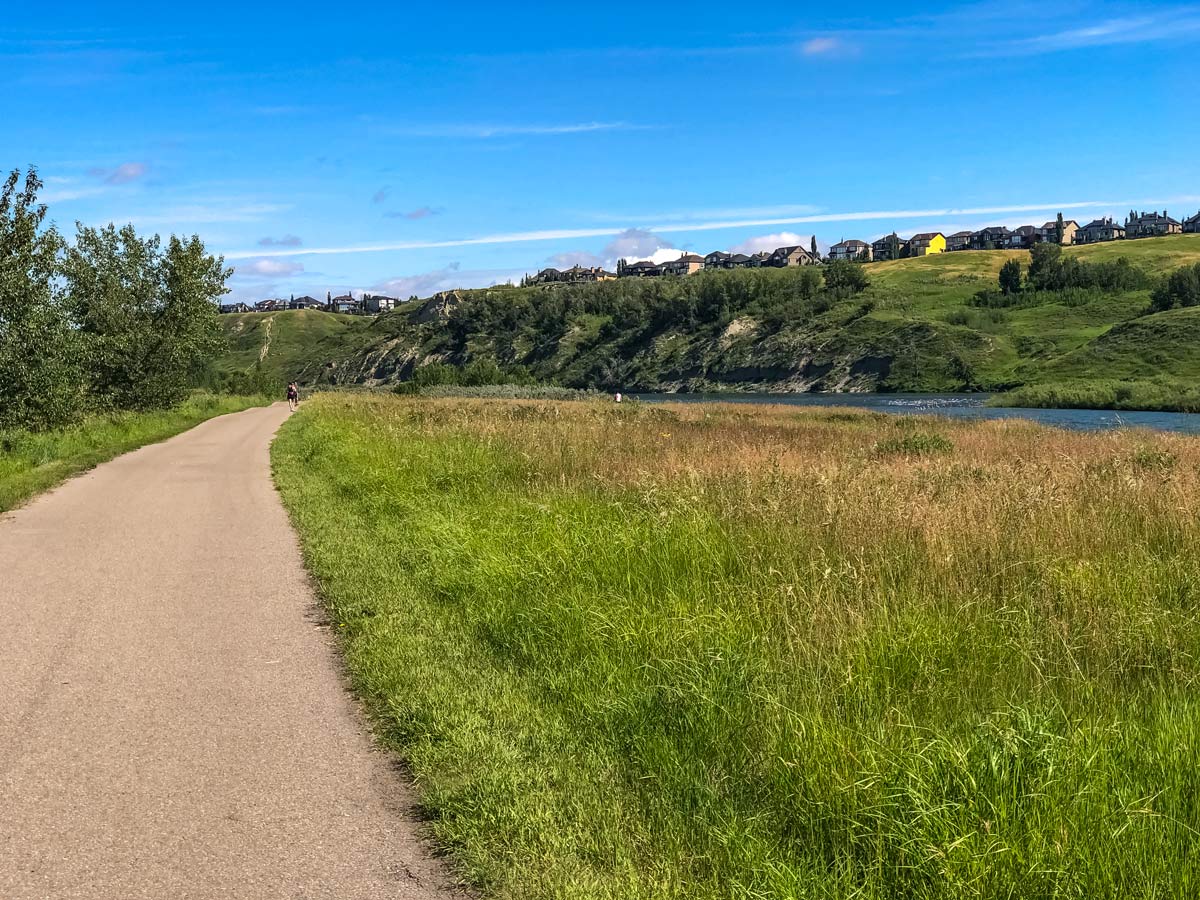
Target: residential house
[(994, 237), (376, 304), (1022, 238), (888, 247), (234, 308), (687, 264), (344, 304), (786, 257), (759, 259), (852, 250), (927, 244), (1192, 225), (1100, 230), (270, 305), (642, 269), (960, 240), (304, 303), (1152, 224), (716, 260), (546, 276), (1048, 233), (737, 261)]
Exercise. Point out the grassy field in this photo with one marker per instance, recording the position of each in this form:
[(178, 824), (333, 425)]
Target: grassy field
[(918, 327), (33, 462), (755, 652)]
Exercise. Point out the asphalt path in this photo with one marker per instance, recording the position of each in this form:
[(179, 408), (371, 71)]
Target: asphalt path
[(174, 721)]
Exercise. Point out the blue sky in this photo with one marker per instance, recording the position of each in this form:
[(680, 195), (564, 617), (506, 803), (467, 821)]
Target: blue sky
[(411, 147)]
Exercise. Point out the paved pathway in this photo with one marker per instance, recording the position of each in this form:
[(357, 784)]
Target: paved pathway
[(173, 720)]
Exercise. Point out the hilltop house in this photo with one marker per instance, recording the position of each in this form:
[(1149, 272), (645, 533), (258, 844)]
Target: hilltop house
[(642, 269), (687, 264), (1100, 230), (716, 260), (1192, 225), (378, 304), (960, 240), (852, 250), (234, 308), (304, 303), (927, 244), (344, 304), (575, 275), (1048, 233), (1151, 224), (786, 257), (888, 247), (1022, 238), (759, 259), (993, 237)]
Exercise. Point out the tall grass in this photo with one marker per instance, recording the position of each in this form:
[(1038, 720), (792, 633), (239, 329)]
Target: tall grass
[(32, 462), (741, 652), (1154, 394)]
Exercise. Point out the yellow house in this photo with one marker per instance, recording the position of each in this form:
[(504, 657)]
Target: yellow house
[(926, 244)]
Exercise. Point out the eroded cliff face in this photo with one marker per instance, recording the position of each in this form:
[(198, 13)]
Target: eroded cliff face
[(743, 356)]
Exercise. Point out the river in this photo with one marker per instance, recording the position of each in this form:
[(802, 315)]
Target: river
[(965, 406)]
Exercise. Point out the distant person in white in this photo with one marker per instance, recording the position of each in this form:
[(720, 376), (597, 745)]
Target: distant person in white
[(618, 397)]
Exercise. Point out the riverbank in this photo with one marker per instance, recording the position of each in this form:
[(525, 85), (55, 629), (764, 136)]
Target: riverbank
[(731, 650), (1148, 395), (32, 462)]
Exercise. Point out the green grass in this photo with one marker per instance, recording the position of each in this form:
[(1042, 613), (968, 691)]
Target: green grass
[(737, 652), (33, 462), (290, 343)]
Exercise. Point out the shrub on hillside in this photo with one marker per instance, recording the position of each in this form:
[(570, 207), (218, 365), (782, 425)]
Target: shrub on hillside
[(1181, 289)]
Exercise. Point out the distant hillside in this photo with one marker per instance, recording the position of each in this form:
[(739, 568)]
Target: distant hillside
[(917, 327)]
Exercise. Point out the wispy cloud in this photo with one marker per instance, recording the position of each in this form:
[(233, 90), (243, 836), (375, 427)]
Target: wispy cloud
[(1139, 30), (288, 240), (423, 212), (560, 234), (822, 46), (122, 174), (484, 130), (270, 268), (211, 212), (382, 194)]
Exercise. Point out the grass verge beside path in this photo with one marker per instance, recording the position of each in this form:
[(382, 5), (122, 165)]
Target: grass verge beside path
[(755, 652), (33, 462)]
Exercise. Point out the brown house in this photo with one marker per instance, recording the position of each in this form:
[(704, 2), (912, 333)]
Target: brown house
[(642, 269), (716, 260), (1152, 224), (786, 257), (687, 264), (1048, 233), (1022, 238), (994, 237), (888, 247), (1100, 230), (960, 240)]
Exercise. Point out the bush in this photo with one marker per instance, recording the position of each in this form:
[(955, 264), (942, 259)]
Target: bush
[(918, 443), (845, 278), (1182, 289)]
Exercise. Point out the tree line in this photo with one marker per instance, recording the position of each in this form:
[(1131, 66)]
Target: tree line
[(109, 321)]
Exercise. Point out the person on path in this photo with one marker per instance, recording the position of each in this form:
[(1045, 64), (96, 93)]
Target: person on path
[(293, 396)]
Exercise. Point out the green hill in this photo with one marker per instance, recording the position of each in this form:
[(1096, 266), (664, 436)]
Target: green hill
[(921, 325)]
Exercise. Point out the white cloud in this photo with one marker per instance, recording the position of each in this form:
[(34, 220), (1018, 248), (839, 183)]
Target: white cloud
[(122, 174), (483, 130), (821, 46), (270, 268), (288, 240), (1169, 24), (635, 244), (771, 242)]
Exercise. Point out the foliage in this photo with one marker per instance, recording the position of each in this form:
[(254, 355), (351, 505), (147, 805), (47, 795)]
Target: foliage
[(1159, 394), (1052, 270), (147, 317), (40, 377), (726, 652), (845, 278), (917, 443), (1010, 277), (1181, 289), (112, 322)]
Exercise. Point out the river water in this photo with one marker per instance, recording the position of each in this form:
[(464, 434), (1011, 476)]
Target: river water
[(966, 406)]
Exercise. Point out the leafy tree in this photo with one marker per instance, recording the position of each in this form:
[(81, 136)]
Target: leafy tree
[(1181, 289), (147, 317), (1010, 277), (845, 278), (40, 379), (1060, 229)]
